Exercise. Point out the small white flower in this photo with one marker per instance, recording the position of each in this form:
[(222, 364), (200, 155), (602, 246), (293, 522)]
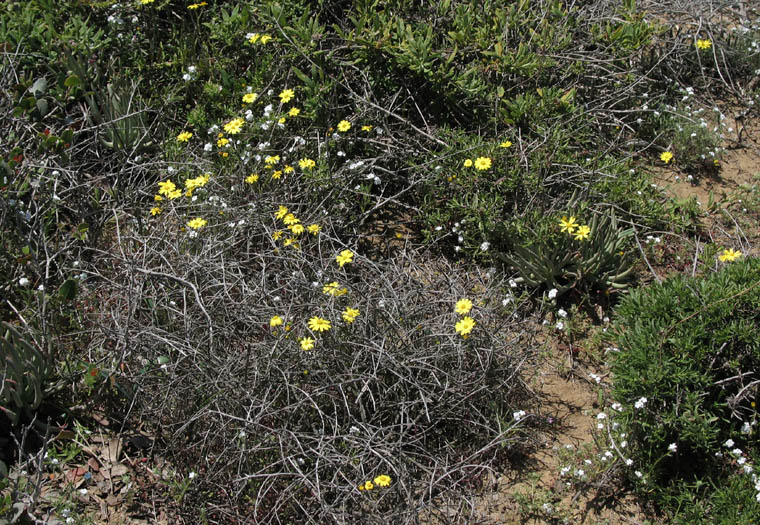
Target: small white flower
[(588, 462), (729, 443), (83, 491), (746, 428), (737, 452), (579, 473), (564, 471), (601, 415), (23, 281), (672, 447), (638, 473), (207, 147), (629, 462), (624, 444), (562, 313), (617, 407), (560, 325), (192, 475), (742, 460), (40, 288), (484, 246), (512, 283), (506, 300), (640, 403), (520, 414), (552, 293), (191, 69)]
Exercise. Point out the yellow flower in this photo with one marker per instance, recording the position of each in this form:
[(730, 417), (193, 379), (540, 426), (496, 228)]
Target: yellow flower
[(346, 256), (463, 306), (174, 194), (265, 39), (276, 235), (290, 219), (506, 144), (197, 182), (276, 175), (297, 229), (582, 233), (307, 343), (368, 485), (332, 288), (704, 44), (281, 120), (666, 156), (271, 160), (568, 225), (367, 128), (482, 163), (145, 2), (222, 142), (383, 481), (166, 187), (294, 112), (254, 38), (350, 314), (729, 255), (275, 321), (282, 211), (306, 164), (197, 223), (290, 241), (286, 95), (234, 126), (318, 324), (184, 136), (252, 178), (314, 228), (158, 198), (155, 210), (344, 126), (465, 325), (467, 163), (249, 98), (196, 6)]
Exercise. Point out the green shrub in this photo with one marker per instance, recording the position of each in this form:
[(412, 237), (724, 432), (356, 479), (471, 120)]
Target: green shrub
[(686, 375)]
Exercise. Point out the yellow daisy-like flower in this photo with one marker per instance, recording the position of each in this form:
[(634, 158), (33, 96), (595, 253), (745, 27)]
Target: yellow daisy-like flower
[(276, 175), (568, 225), (506, 144), (146, 2), (313, 228), (249, 98), (666, 156), (222, 142), (282, 211), (288, 169), (265, 38), (306, 164), (271, 160), (332, 288), (166, 187), (582, 233), (290, 219), (319, 325), (344, 126), (465, 325), (281, 120), (368, 485), (367, 128), (307, 343), (254, 38), (729, 255), (467, 163), (294, 112), (184, 136), (196, 6), (297, 229), (197, 223), (252, 178), (276, 321), (174, 194), (350, 314), (155, 210), (383, 481), (463, 306), (290, 241), (234, 126), (286, 95), (276, 235), (482, 163), (704, 44), (158, 198), (346, 256)]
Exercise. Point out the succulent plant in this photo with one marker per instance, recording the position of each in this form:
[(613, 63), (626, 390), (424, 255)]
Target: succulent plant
[(24, 372), (563, 262)]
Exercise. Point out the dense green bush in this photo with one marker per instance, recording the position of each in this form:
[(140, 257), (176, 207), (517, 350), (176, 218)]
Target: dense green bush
[(686, 376)]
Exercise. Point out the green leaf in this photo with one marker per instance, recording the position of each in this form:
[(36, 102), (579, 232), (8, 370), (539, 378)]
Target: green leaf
[(68, 290)]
